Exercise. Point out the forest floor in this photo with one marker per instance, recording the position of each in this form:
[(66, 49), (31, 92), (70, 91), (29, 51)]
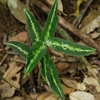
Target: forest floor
[(79, 75)]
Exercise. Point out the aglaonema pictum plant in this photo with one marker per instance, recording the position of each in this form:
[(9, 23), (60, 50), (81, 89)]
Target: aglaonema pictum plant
[(41, 40)]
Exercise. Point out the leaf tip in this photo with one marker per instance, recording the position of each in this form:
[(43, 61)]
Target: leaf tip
[(5, 43), (25, 73), (24, 10)]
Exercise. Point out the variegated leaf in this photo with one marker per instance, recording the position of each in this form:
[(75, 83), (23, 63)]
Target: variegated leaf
[(51, 22), (36, 53), (34, 29), (69, 47), (19, 47), (50, 75)]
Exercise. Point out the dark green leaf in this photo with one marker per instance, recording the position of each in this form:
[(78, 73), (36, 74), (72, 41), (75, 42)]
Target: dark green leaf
[(36, 53), (69, 47), (51, 22), (19, 47), (33, 27), (49, 73)]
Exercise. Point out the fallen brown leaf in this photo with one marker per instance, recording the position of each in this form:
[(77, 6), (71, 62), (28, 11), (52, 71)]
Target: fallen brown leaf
[(43, 96), (34, 96), (69, 82), (6, 90), (12, 75), (15, 98), (52, 97), (21, 37), (62, 67), (67, 90)]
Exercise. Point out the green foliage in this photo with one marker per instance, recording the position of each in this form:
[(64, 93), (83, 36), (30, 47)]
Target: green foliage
[(33, 27), (19, 47), (37, 52), (50, 75), (51, 22), (68, 47)]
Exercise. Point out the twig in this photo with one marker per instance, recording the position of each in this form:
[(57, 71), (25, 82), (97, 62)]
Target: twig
[(12, 53), (3, 58), (39, 74), (78, 20), (56, 53), (21, 61), (32, 83)]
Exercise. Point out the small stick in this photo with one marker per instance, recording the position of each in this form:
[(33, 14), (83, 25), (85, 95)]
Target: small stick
[(32, 83), (56, 53), (78, 20), (3, 58), (12, 53), (21, 61)]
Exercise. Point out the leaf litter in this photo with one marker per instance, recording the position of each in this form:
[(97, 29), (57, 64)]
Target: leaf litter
[(91, 22), (70, 88)]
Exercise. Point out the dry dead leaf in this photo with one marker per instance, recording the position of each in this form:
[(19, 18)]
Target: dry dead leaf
[(12, 75), (74, 84), (60, 6), (51, 97), (72, 69), (97, 96), (16, 8), (95, 67), (67, 90), (34, 96), (21, 37), (47, 88), (95, 35), (43, 96), (69, 82), (62, 67), (92, 81), (80, 95), (12, 70), (96, 62), (15, 98), (91, 22), (81, 86), (95, 70), (98, 89), (6, 90)]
